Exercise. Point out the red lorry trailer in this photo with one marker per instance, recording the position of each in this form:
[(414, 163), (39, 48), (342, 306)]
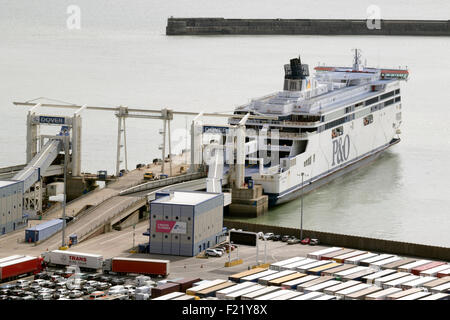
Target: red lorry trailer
[(14, 268), (135, 265)]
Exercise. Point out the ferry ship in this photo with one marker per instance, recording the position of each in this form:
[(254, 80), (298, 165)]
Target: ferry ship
[(324, 125)]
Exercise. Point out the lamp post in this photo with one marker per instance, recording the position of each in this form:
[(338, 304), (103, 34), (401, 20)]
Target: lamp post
[(301, 210), (66, 154)]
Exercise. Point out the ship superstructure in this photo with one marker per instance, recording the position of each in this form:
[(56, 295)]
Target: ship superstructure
[(326, 125)]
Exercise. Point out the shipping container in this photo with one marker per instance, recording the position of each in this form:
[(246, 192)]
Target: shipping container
[(402, 293), (319, 270), (265, 280), (379, 282), (288, 295), (164, 289), (321, 286), (444, 288), (271, 295), (318, 254), (11, 269), (306, 267), (67, 258), (356, 260), (396, 264), (437, 296), (415, 296), (343, 293), (358, 276), (341, 258), (332, 272), (367, 262), (211, 291), (341, 286), (279, 281), (326, 297), (398, 282), (303, 286), (408, 267), (185, 297), (10, 258), (193, 291), (201, 282), (436, 282), (382, 295), (331, 255), (371, 277), (122, 265), (185, 283), (237, 287), (276, 265), (419, 269), (238, 294), (43, 231), (379, 264), (361, 295), (170, 296), (434, 271), (238, 276), (443, 273), (417, 283), (309, 296), (256, 276), (344, 273), (254, 294), (294, 265), (292, 284)]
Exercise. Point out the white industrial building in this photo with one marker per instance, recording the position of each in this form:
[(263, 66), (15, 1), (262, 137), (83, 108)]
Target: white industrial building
[(11, 196), (185, 223)]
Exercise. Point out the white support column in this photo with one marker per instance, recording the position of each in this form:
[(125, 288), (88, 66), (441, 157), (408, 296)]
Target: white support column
[(196, 143), (240, 152), (76, 142), (170, 148), (121, 115), (119, 129), (164, 146), (32, 134), (125, 142)]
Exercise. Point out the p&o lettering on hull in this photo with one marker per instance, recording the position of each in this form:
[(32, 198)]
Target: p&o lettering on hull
[(341, 149)]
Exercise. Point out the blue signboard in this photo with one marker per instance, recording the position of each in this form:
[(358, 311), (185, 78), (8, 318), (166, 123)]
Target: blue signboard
[(51, 120), (216, 129)]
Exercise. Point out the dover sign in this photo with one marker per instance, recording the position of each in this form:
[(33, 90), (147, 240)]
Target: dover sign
[(171, 226)]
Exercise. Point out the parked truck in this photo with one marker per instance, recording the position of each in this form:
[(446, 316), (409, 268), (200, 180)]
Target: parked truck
[(15, 266), (68, 258), (121, 265)]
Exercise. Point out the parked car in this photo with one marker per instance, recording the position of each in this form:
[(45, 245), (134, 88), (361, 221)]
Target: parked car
[(293, 241), (23, 284), (88, 289), (102, 286), (117, 281), (285, 238), (96, 295), (276, 237), (44, 296), (213, 253), (94, 276), (75, 294), (42, 275), (221, 249), (29, 297), (306, 241), (269, 236), (117, 290), (314, 242)]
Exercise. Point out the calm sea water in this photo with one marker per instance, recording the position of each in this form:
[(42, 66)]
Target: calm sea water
[(120, 56)]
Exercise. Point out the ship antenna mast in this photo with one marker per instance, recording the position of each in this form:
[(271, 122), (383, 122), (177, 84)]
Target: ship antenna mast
[(357, 60)]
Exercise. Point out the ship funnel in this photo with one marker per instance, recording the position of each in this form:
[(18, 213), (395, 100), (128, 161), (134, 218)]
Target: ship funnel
[(295, 75)]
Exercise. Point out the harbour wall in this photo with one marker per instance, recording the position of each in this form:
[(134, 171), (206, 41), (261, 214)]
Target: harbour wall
[(350, 241), (222, 26)]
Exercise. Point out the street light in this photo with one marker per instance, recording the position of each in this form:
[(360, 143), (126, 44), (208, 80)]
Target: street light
[(301, 210)]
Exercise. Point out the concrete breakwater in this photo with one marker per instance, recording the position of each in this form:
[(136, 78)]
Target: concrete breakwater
[(350, 241), (218, 26)]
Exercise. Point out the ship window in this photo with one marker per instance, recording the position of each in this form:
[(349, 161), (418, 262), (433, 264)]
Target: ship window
[(371, 101), (307, 162), (397, 99), (397, 91), (368, 120), (337, 132), (389, 102), (387, 95)]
